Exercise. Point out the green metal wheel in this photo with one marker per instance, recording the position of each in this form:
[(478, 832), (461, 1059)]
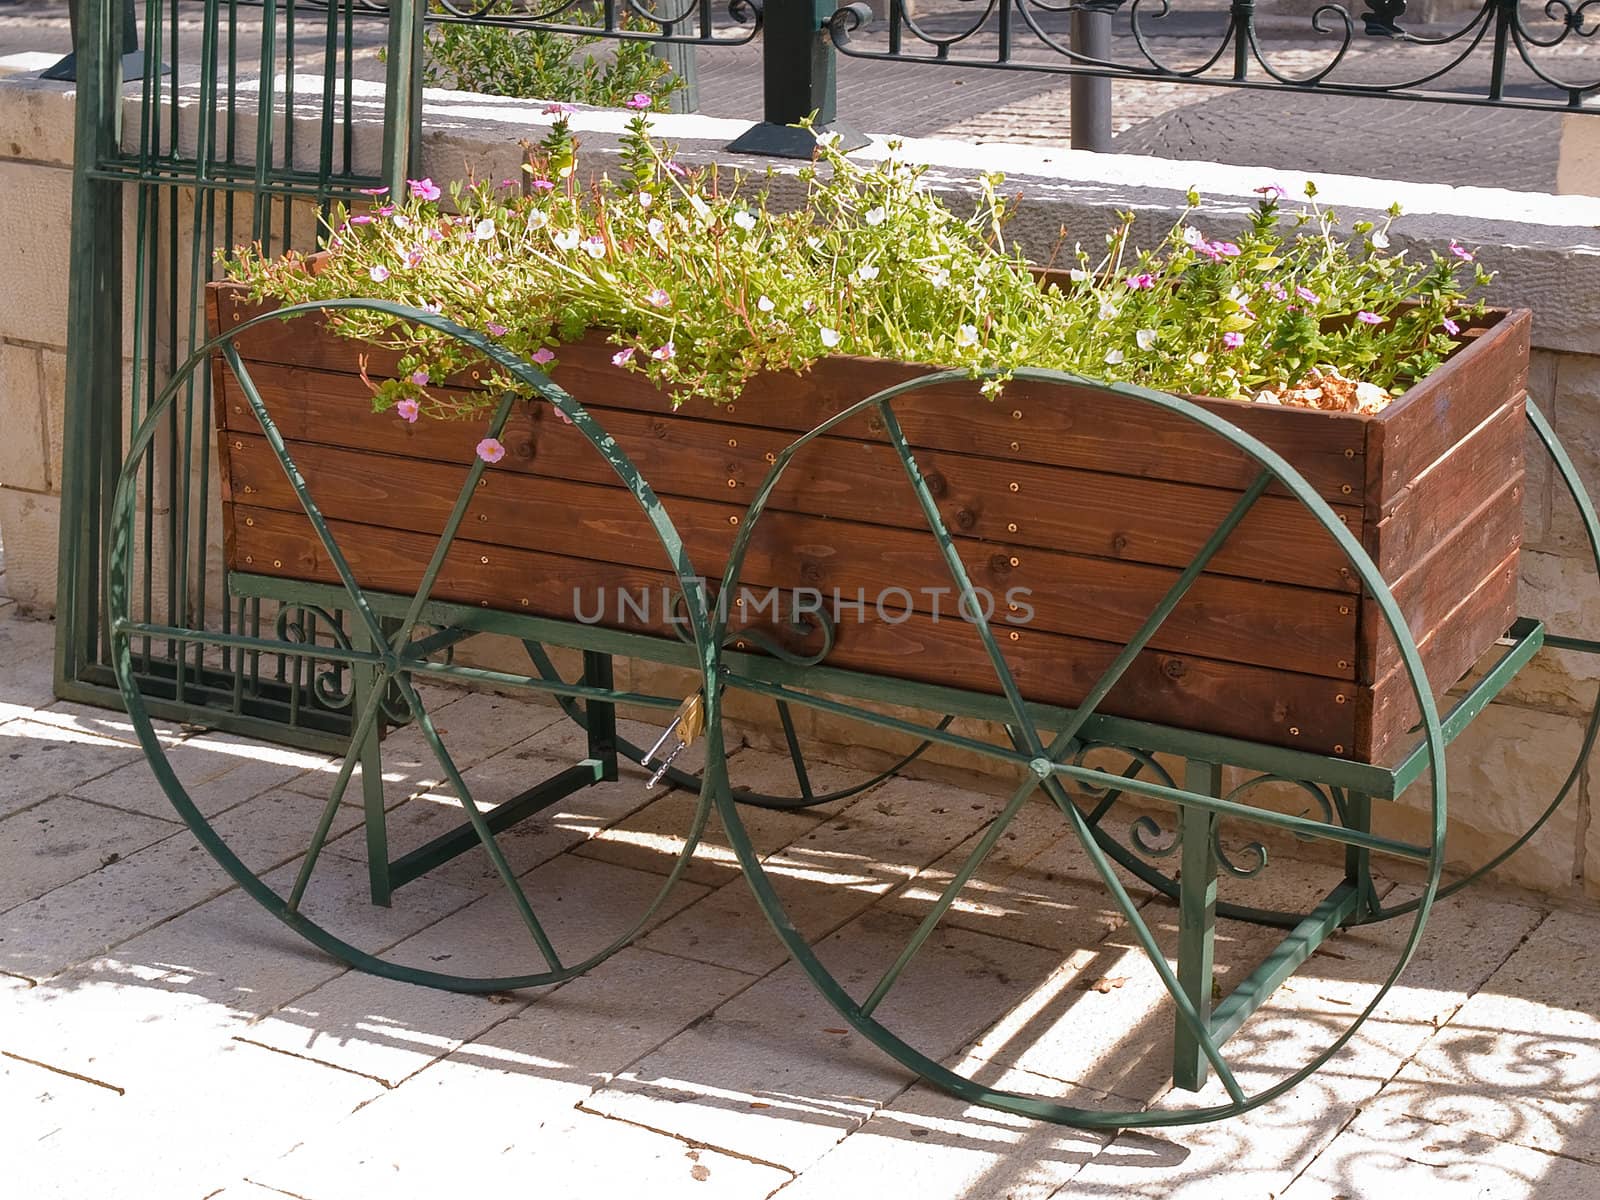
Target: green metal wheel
[(1046, 753), (396, 644)]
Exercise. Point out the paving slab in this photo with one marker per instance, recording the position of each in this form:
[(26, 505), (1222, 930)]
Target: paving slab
[(1519, 1061), (830, 875), (27, 650), (1390, 1155), (56, 842), (933, 1146), (42, 760), (776, 1074), (366, 1025), (82, 919), (217, 770)]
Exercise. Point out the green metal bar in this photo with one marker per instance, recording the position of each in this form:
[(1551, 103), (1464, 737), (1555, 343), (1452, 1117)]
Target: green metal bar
[(1197, 923), (796, 754), (93, 418), (947, 897), (479, 826), (1357, 860), (1527, 637), (464, 837), (365, 727), (600, 716), (1300, 944), (366, 686), (402, 127)]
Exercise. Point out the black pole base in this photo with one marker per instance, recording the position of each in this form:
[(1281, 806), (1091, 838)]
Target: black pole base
[(791, 141), (67, 68)]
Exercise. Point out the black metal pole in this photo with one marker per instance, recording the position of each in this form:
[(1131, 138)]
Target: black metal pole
[(798, 79), (1091, 95), (132, 59)]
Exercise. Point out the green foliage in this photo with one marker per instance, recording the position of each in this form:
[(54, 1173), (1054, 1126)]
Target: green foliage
[(534, 64), (702, 285)]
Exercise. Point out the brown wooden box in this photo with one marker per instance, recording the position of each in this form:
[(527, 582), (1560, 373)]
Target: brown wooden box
[(1092, 505)]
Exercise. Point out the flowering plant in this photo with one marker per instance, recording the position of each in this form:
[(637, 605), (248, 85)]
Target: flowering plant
[(701, 283)]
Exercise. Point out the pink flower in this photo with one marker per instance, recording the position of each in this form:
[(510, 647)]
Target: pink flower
[(674, 169), (1272, 191), (495, 330), (414, 256), (435, 235), (1275, 290), (543, 355), (408, 410), (383, 191), (658, 298), (543, 185), (662, 353), (1233, 339), (384, 210), (558, 110), (1451, 327), (361, 219), (420, 378), (1307, 295), (508, 184), (378, 273), (622, 357), (490, 450), (423, 189), (1141, 282), (639, 100), (1460, 251), (1226, 249), (433, 306), (1369, 318)]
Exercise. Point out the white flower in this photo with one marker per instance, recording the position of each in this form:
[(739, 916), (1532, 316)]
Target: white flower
[(1078, 275), (1380, 240), (1192, 236), (828, 138), (744, 219), (866, 272), (646, 199), (765, 304), (1113, 357), (1108, 310), (401, 221), (537, 220), (566, 239), (875, 216), (813, 242), (594, 247), (940, 278), (655, 226), (483, 230), (701, 209), (1146, 338), (830, 337), (967, 335)]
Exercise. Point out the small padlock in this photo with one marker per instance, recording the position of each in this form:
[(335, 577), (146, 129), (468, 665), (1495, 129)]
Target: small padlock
[(687, 724)]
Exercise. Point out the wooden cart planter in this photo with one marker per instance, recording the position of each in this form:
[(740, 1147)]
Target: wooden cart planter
[(1083, 508), (1275, 590)]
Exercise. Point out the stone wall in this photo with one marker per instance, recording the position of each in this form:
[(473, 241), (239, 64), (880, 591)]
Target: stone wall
[(1546, 250)]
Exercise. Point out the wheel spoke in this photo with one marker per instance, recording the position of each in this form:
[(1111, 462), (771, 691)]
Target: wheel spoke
[(796, 755), (479, 825), (959, 881), (365, 725)]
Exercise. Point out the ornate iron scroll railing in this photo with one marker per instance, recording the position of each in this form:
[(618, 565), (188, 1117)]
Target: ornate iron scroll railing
[(1475, 64)]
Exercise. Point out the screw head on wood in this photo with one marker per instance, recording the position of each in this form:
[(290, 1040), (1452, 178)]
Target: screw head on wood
[(1016, 445), (1015, 561), (1011, 527), (1015, 636), (1295, 730), (277, 562), (733, 520), (1345, 489), (484, 558), (733, 441), (1014, 487)]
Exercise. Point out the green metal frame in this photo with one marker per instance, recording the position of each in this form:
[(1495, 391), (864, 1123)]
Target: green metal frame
[(398, 639)]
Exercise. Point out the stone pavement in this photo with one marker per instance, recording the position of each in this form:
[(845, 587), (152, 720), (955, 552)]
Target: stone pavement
[(161, 1036)]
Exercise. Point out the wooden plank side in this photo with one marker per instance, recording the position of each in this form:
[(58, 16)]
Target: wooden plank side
[(1387, 720), (1224, 618), (1109, 516), (1040, 423), (1429, 506), (1433, 588), (1226, 698), (1422, 426)]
